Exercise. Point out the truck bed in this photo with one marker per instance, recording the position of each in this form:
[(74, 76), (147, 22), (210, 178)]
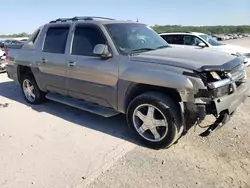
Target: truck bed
[(15, 46)]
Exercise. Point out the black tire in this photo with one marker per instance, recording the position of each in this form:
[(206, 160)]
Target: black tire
[(39, 95), (168, 108)]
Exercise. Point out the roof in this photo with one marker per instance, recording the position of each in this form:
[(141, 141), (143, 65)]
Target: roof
[(102, 20), (182, 33)]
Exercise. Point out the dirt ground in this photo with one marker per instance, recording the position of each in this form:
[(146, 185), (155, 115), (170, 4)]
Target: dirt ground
[(56, 146)]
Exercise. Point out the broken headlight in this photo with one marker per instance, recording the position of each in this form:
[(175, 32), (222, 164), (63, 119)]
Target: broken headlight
[(215, 75)]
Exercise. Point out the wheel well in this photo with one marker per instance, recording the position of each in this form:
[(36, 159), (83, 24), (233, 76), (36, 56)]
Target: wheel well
[(138, 89), (21, 70)]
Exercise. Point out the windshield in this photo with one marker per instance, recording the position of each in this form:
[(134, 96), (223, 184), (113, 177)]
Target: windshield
[(133, 37), (211, 40)]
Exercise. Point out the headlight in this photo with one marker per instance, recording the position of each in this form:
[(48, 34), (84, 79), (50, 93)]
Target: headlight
[(215, 75)]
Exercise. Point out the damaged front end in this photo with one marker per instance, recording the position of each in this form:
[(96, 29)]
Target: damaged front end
[(225, 89)]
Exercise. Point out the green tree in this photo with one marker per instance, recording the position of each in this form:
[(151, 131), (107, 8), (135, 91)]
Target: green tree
[(16, 35)]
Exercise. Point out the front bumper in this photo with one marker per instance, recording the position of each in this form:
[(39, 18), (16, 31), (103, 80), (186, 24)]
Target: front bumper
[(231, 102)]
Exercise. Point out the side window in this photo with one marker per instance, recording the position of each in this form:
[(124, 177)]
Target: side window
[(85, 39), (167, 38), (191, 40), (34, 36), (55, 40), (177, 39), (174, 39)]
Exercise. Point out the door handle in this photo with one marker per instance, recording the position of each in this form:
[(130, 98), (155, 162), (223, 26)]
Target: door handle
[(43, 60), (72, 64)]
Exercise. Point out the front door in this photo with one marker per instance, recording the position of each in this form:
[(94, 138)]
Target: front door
[(89, 77)]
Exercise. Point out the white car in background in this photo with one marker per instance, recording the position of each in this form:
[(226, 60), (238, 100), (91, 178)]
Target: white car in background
[(3, 63), (201, 40)]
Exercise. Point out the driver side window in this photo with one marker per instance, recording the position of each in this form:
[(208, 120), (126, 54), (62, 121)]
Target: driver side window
[(85, 39), (191, 40)]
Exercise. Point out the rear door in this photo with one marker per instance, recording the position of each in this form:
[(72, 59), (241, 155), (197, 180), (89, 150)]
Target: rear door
[(52, 59)]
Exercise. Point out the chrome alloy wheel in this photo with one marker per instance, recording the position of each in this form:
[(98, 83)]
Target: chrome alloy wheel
[(150, 122), (28, 90)]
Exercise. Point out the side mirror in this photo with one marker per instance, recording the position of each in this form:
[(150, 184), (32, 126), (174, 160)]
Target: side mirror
[(102, 51), (202, 45)]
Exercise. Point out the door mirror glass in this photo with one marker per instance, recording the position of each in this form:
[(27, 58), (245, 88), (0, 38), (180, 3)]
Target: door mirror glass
[(102, 50), (202, 45)]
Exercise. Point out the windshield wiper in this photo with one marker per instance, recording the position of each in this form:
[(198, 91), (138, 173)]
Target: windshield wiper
[(142, 50), (164, 46)]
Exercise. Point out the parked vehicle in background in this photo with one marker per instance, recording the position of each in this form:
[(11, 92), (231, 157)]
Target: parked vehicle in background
[(10, 41), (230, 36), (201, 40), (23, 40), (3, 62), (1, 44), (235, 36), (107, 67), (2, 52), (219, 37)]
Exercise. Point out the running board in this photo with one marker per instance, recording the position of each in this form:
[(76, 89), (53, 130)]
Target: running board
[(95, 109)]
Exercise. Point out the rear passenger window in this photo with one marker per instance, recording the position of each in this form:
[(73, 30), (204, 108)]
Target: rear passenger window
[(167, 38), (56, 39), (85, 39), (34, 36), (174, 39)]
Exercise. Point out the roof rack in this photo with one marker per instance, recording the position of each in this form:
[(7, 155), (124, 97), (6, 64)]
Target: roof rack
[(76, 18)]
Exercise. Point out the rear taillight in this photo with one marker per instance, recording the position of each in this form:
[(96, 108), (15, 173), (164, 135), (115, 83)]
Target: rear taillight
[(6, 52)]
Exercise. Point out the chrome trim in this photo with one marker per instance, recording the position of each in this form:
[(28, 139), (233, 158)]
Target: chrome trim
[(214, 85), (231, 79)]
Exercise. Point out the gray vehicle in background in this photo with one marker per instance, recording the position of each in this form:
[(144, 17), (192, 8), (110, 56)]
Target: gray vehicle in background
[(107, 67)]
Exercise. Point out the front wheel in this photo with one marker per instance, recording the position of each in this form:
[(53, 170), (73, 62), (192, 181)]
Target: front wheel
[(154, 119)]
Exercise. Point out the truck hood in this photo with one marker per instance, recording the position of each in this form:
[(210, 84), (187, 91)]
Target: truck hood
[(188, 58)]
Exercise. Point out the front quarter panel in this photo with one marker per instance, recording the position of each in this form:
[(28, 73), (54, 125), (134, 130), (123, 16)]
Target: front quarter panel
[(157, 78), (132, 73)]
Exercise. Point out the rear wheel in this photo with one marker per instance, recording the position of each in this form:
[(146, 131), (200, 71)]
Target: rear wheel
[(31, 92), (154, 119)]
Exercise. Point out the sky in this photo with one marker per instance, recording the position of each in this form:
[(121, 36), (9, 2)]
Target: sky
[(26, 15)]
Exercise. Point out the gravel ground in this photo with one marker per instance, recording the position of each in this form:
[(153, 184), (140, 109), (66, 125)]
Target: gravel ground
[(56, 146), (220, 160)]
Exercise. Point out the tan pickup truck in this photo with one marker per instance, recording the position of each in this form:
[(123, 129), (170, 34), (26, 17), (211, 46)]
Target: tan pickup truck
[(107, 67)]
